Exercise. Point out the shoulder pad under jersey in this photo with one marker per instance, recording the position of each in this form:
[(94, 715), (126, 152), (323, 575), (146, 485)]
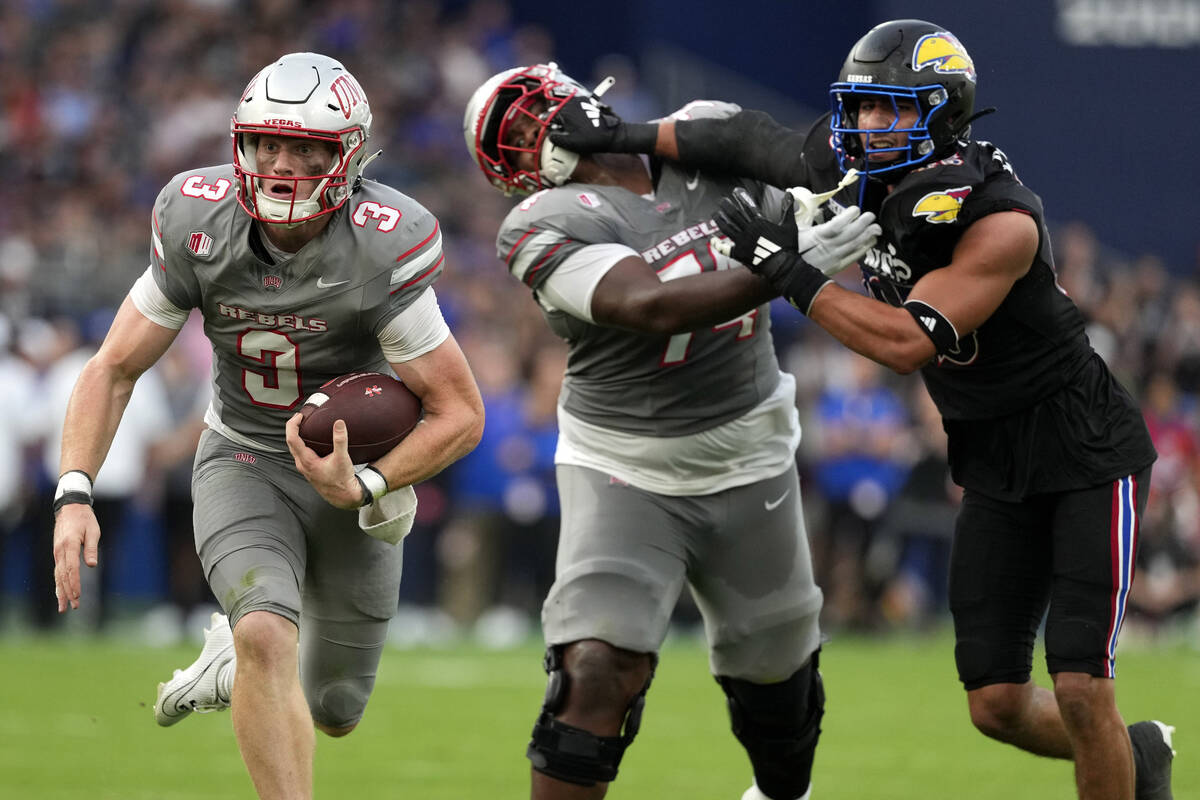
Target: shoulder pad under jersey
[(546, 227)]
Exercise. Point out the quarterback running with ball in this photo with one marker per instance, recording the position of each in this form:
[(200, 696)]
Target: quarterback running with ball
[(303, 270)]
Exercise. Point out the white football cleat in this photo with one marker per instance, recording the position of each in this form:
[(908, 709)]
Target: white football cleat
[(754, 793), (195, 688)]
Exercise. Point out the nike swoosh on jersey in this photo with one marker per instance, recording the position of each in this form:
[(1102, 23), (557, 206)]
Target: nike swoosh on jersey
[(771, 506), (321, 284), (693, 181)]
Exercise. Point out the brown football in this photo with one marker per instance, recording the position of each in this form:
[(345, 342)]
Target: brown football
[(379, 411)]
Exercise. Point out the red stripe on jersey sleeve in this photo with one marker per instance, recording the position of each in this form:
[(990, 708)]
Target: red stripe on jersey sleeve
[(422, 243), (437, 264), (515, 247), (529, 275)]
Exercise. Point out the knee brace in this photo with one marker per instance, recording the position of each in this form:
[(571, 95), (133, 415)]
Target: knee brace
[(779, 724), (573, 754)]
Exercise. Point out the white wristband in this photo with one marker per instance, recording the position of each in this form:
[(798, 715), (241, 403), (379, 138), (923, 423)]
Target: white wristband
[(374, 481), (75, 480)]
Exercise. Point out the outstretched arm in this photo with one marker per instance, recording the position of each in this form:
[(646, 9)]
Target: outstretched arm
[(748, 144), (97, 403)]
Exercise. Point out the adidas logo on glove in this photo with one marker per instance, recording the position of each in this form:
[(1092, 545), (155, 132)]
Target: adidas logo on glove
[(591, 107), (764, 250)]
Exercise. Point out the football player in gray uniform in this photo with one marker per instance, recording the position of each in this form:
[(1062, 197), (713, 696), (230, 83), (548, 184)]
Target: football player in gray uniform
[(302, 271), (676, 450)]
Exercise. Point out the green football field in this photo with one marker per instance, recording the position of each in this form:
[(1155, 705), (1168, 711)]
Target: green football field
[(451, 724)]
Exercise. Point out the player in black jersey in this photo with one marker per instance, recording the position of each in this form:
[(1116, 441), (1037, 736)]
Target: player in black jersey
[(1052, 452)]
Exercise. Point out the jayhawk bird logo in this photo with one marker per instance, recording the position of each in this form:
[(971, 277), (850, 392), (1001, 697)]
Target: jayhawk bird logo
[(944, 53), (941, 206)]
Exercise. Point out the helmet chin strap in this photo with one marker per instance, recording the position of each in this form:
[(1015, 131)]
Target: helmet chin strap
[(557, 163)]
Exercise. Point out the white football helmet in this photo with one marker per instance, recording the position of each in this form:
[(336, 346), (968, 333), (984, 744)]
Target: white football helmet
[(537, 92), (302, 95)]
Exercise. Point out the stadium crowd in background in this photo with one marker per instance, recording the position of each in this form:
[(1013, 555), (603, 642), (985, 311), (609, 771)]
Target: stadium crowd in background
[(99, 111)]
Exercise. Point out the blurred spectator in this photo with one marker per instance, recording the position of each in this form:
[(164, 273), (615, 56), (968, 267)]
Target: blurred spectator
[(1168, 563), (861, 463), (120, 483), (183, 368), (18, 404), (1179, 352), (499, 543), (912, 551)]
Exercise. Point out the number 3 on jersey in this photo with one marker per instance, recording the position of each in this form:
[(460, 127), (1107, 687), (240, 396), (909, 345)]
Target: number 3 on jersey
[(275, 380), (386, 215), (195, 186), (677, 345)]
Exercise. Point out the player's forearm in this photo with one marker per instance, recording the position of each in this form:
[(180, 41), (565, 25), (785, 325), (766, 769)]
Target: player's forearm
[(881, 332), (447, 432), (93, 413), (710, 298), (685, 304), (750, 144)]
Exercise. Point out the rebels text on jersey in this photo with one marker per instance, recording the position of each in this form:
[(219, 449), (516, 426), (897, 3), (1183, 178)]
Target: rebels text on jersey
[(280, 327)]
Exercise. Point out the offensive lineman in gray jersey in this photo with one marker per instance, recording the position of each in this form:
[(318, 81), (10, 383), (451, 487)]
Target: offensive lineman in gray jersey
[(303, 271), (677, 434)]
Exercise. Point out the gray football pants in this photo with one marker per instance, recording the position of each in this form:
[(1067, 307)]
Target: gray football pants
[(269, 542), (624, 555)]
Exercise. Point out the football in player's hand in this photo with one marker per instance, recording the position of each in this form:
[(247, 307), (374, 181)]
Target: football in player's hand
[(378, 410)]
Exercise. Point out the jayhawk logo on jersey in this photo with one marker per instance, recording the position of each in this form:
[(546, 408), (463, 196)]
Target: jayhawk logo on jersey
[(944, 53), (941, 206)]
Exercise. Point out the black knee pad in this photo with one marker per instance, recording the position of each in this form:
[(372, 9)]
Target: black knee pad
[(340, 703), (573, 754), (779, 725)]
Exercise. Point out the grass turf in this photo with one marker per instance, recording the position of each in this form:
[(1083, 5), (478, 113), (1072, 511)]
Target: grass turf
[(452, 723)]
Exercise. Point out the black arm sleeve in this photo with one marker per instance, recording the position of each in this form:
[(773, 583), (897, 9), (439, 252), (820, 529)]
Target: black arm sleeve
[(750, 144)]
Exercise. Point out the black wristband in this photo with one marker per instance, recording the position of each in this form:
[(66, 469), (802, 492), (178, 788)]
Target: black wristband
[(636, 137), (367, 497), (374, 485), (74, 486), (68, 498), (794, 278)]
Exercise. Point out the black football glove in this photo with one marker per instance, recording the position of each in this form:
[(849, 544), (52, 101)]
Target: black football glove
[(588, 125), (753, 237), (796, 262)]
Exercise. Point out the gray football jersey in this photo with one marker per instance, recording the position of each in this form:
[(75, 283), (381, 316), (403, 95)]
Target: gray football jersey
[(279, 331), (631, 382)]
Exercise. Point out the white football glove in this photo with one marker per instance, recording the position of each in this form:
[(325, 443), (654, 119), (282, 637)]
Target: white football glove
[(834, 245)]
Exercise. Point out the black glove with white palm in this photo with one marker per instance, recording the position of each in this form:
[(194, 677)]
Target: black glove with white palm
[(797, 262), (586, 124)]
